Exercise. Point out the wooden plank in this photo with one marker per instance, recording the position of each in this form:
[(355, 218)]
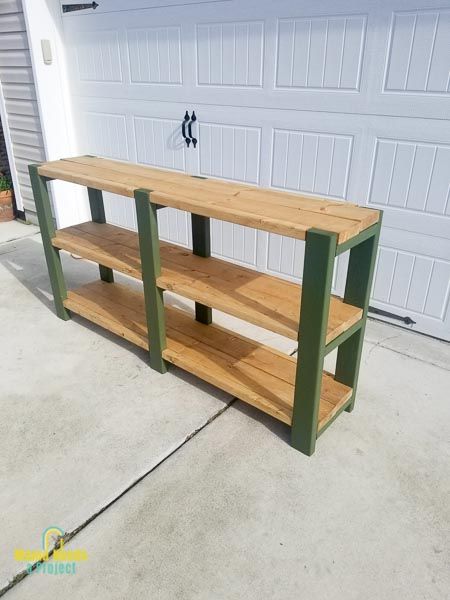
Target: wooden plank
[(243, 192), (133, 170), (258, 298), (284, 221), (345, 210), (100, 250), (125, 183), (66, 172), (271, 210), (257, 374), (109, 315)]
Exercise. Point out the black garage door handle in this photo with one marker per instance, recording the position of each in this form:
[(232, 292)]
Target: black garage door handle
[(183, 129), (193, 119)]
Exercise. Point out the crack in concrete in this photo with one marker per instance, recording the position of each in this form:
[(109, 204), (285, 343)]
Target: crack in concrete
[(71, 534), (22, 574), (427, 362), (19, 238), (380, 344), (8, 252)]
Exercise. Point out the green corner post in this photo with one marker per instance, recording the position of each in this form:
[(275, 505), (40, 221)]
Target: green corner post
[(47, 227), (358, 286), (98, 216), (201, 246), (151, 269), (318, 268)]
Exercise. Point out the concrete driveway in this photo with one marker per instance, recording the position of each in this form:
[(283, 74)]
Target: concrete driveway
[(175, 490)]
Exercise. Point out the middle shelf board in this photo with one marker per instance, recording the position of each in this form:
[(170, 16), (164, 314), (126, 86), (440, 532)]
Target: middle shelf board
[(258, 298), (251, 371)]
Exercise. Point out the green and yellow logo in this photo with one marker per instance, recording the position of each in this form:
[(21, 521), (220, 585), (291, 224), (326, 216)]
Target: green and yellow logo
[(64, 561)]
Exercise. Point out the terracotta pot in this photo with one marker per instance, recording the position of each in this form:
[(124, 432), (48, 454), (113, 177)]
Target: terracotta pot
[(6, 206)]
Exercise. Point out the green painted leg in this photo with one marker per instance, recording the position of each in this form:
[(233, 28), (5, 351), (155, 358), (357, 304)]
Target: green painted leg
[(45, 217), (358, 286), (201, 246), (151, 269), (98, 216), (316, 289), (106, 274)]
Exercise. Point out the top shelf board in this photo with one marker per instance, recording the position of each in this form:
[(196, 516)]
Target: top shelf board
[(261, 208)]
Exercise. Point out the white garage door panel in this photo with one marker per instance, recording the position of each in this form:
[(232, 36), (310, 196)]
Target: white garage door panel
[(407, 173), (418, 40), (410, 182), (229, 151), (342, 50), (413, 279), (312, 162), (322, 53), (145, 44), (343, 100), (218, 45), (416, 283)]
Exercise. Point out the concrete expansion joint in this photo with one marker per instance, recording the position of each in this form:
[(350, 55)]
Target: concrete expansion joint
[(71, 534)]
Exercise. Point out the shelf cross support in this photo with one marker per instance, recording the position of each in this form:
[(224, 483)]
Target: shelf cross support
[(47, 227), (201, 246), (358, 286), (98, 216), (146, 212), (320, 251)]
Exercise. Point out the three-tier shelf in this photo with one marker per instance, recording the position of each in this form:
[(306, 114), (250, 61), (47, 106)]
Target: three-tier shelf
[(296, 391)]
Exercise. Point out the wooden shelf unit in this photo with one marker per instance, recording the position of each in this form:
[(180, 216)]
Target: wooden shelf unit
[(297, 392)]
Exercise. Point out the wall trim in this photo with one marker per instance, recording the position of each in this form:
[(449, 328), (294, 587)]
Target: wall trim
[(10, 152), (43, 21)]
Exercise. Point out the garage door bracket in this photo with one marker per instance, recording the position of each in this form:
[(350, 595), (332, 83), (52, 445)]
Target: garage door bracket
[(385, 313), (73, 7)]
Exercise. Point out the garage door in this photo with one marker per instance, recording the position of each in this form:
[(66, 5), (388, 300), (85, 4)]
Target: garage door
[(343, 100)]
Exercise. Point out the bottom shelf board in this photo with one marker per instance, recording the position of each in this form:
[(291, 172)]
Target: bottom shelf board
[(254, 373)]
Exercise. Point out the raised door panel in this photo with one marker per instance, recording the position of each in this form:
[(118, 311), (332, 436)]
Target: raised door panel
[(155, 55), (412, 279), (320, 53), (230, 54), (418, 55), (405, 173)]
